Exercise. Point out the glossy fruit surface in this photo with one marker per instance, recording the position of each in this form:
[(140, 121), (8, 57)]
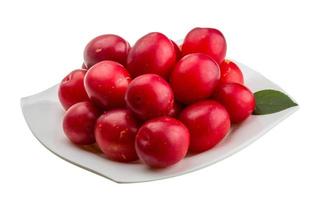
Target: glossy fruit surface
[(205, 40), (155, 101), (162, 142), (194, 78), (79, 122), (175, 110), (208, 123), (71, 89), (153, 53), (230, 73), (237, 99), (115, 133), (106, 47), (149, 96), (106, 83)]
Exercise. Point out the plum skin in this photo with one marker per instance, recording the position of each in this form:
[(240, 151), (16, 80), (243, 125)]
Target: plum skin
[(71, 89), (208, 123), (194, 78), (205, 40), (162, 142), (175, 110), (106, 83), (115, 133), (79, 122), (154, 53), (106, 47), (149, 96), (237, 99), (230, 72)]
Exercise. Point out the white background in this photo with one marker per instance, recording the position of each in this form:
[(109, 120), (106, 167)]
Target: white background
[(41, 41)]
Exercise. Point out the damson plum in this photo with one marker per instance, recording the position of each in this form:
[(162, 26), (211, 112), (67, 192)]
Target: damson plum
[(162, 142), (106, 47), (106, 83), (208, 123), (205, 40), (71, 89), (153, 53), (79, 122), (115, 133)]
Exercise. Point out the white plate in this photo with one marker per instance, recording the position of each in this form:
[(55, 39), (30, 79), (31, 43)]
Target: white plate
[(43, 114)]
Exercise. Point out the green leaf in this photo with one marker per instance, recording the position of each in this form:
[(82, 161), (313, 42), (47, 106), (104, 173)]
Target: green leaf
[(271, 101)]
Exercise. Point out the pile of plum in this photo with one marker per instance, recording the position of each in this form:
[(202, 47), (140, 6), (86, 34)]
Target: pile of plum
[(155, 101)]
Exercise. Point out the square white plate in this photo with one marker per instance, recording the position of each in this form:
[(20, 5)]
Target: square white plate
[(43, 114)]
